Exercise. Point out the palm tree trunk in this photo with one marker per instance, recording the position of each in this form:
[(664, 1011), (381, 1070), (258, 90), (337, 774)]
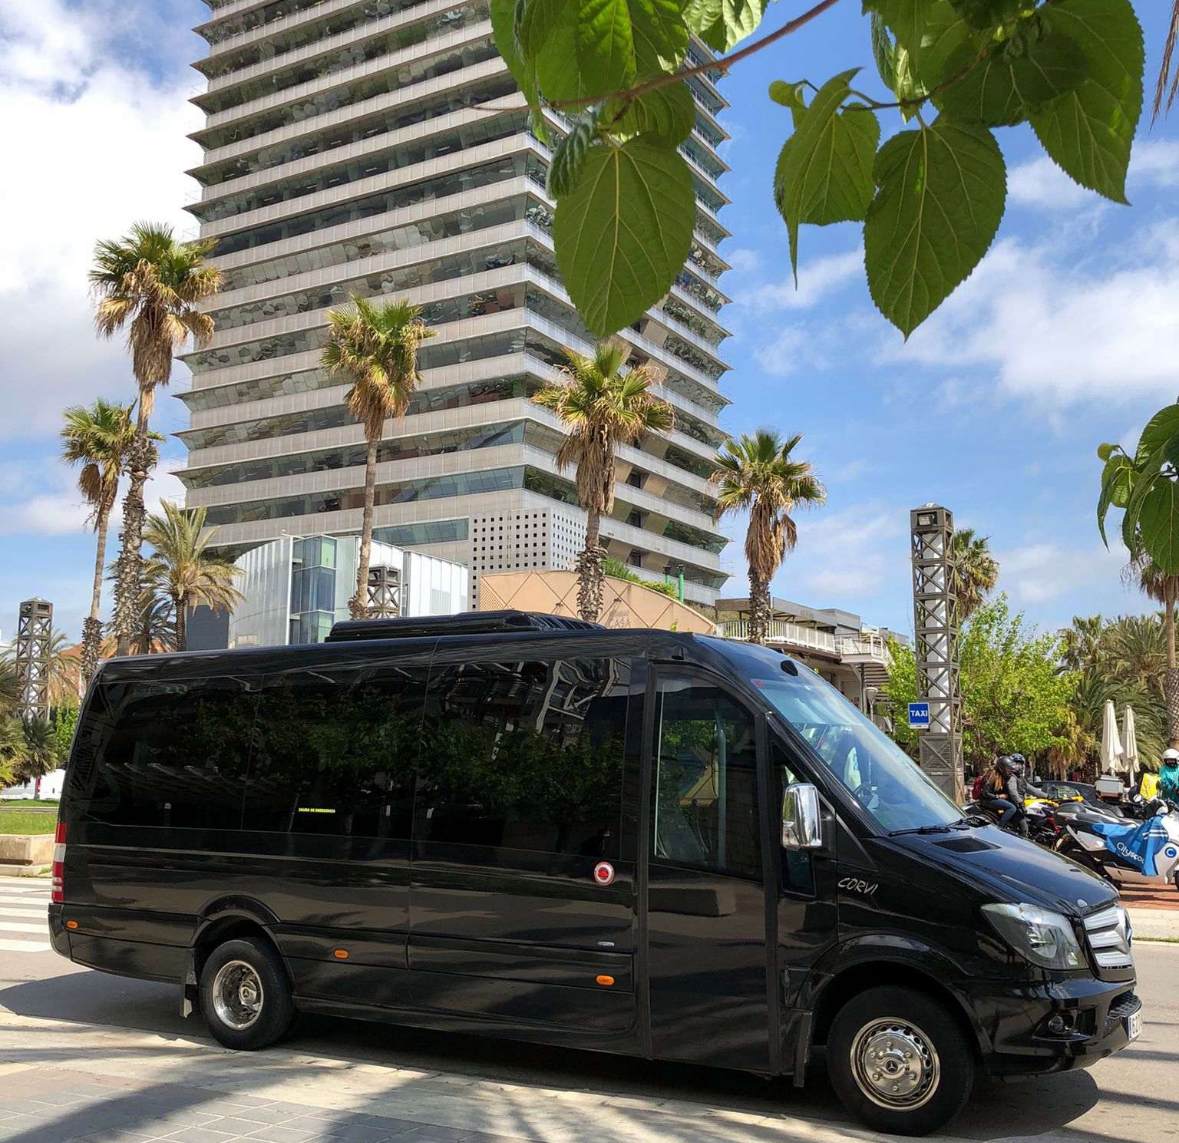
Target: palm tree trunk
[(180, 607), (591, 572), (92, 625), (759, 607), (1171, 685), (358, 604), (129, 569)]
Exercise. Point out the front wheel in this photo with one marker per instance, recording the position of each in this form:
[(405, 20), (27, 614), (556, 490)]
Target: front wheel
[(899, 1061), (245, 994)]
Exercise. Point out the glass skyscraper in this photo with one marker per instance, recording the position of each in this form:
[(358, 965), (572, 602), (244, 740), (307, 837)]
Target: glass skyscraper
[(380, 147)]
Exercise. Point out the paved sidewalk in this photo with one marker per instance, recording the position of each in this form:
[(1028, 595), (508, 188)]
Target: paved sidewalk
[(61, 1083), (1155, 924)]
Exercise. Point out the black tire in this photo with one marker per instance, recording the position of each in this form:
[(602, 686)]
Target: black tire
[(899, 1020), (237, 973)]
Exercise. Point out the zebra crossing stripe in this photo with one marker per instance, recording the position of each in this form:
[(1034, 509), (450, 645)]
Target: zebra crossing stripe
[(16, 927), (23, 946)]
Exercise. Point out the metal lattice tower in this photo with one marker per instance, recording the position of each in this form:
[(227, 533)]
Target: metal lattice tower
[(34, 633), (935, 625), (384, 592)]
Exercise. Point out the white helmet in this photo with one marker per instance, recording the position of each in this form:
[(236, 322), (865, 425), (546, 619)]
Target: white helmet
[(1171, 755)]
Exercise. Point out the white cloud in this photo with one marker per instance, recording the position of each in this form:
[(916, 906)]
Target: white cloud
[(1041, 572), (851, 554), (1040, 184), (816, 280), (1057, 335), (95, 152), (743, 259)]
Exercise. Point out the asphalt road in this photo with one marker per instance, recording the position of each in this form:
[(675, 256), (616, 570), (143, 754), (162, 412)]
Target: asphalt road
[(1132, 1097)]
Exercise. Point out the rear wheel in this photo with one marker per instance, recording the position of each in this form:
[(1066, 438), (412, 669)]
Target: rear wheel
[(245, 994), (899, 1061)]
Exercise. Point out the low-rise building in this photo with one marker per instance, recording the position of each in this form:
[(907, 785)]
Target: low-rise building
[(849, 653)]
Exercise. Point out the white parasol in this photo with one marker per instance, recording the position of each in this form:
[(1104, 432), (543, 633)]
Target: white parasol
[(1111, 744), (1129, 742)]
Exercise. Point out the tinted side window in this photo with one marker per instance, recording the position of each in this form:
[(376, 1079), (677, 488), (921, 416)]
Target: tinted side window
[(705, 773), (336, 752), (165, 754), (525, 756)]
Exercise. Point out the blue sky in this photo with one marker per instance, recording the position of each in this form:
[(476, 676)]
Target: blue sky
[(1067, 335)]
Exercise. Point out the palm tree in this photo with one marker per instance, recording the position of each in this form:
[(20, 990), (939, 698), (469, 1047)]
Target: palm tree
[(151, 285), (100, 440), (600, 408), (28, 749), (759, 475), (1083, 644), (975, 571), (182, 568), (1164, 589), (375, 346), (155, 627)]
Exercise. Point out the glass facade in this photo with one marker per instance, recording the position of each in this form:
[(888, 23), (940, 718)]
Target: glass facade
[(313, 589), (355, 54), (445, 142)]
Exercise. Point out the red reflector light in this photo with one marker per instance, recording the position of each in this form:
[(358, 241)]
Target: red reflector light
[(57, 883)]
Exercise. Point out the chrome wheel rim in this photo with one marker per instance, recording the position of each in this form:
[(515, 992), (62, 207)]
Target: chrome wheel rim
[(237, 995), (895, 1064)]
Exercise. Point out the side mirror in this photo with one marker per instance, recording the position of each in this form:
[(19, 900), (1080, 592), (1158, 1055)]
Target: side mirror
[(802, 826)]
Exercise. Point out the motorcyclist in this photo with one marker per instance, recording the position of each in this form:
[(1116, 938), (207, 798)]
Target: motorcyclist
[(1001, 793), (1026, 789), (1169, 776)]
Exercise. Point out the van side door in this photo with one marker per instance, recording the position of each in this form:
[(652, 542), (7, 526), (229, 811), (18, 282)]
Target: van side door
[(706, 916), (519, 800)]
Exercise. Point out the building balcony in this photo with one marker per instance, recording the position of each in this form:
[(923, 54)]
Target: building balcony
[(783, 635)]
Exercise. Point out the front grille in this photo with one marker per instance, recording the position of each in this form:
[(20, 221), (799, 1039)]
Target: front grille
[(1109, 936)]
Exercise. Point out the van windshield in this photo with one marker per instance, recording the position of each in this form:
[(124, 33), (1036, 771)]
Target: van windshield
[(894, 792)]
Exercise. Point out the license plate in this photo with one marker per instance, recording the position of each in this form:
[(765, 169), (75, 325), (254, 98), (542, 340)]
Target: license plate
[(1133, 1026)]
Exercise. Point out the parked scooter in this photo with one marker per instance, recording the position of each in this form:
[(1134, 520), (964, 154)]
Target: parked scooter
[(1121, 849)]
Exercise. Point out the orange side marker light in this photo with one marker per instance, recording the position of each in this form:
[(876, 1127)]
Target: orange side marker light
[(71, 924), (340, 954), (606, 981)]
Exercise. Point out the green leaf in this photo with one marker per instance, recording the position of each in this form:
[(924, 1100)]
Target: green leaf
[(986, 14), (944, 33), (824, 171), (1158, 524), (1007, 86), (536, 22), (1171, 453), (723, 23), (624, 231), (942, 193), (787, 94), (1088, 131), (660, 36), (557, 72), (503, 25), (565, 169), (667, 111), (1117, 479), (605, 44), (1159, 430)]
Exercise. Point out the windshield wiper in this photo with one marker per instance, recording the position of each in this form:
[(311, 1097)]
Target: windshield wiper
[(961, 823)]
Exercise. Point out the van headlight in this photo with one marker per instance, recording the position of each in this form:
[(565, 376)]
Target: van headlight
[(1039, 935)]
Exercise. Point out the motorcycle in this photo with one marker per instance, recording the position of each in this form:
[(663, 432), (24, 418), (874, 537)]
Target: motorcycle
[(1124, 849), (1039, 815)]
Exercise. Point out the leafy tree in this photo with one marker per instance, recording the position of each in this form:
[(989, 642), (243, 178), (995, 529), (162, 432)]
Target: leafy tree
[(1013, 696), (151, 285), (600, 407), (65, 720), (61, 671), (100, 439), (758, 474), (182, 568), (28, 748), (375, 346), (975, 571), (155, 624), (1081, 644), (1145, 486), (612, 81)]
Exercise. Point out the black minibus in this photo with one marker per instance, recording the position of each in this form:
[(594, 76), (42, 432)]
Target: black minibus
[(671, 846)]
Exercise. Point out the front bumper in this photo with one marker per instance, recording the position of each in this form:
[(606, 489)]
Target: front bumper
[(1094, 1022)]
